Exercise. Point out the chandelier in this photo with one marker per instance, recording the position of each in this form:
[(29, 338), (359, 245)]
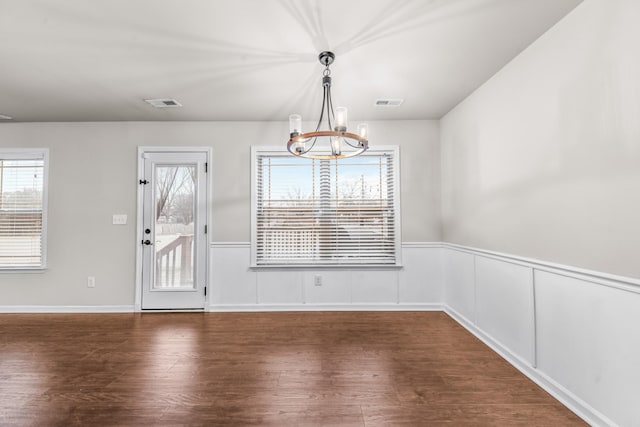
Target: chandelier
[(335, 142)]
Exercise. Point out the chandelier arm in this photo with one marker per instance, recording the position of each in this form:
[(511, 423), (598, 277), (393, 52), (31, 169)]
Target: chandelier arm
[(330, 113), (326, 102), (322, 109), (346, 140), (312, 144)]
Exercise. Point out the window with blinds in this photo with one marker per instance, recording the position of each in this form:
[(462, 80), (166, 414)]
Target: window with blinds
[(325, 212), (22, 208)]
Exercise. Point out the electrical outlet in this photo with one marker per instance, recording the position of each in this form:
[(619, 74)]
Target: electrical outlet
[(317, 280), (91, 282)]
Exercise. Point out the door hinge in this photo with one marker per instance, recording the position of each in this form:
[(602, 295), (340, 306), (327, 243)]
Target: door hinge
[(206, 167), (143, 181), (205, 229), (205, 291)]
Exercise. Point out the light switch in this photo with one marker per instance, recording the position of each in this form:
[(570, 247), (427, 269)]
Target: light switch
[(120, 219)]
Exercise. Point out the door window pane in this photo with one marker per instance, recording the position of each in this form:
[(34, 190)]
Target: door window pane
[(174, 219)]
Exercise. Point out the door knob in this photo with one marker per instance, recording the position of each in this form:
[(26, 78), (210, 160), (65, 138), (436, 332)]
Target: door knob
[(146, 242)]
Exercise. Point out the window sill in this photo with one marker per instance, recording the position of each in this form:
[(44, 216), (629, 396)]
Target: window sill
[(327, 267), (17, 270)]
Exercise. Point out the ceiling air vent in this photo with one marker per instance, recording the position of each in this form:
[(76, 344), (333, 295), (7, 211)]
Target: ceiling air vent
[(163, 103), (388, 102)]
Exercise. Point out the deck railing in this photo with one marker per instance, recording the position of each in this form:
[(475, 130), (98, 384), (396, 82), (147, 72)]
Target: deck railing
[(174, 263)]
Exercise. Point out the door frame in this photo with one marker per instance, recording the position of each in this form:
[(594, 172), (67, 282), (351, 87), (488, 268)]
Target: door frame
[(139, 215)]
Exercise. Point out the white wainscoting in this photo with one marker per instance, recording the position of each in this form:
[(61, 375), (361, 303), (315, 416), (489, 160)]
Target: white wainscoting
[(588, 340), (234, 286), (231, 281), (574, 332), (504, 305), (459, 289)]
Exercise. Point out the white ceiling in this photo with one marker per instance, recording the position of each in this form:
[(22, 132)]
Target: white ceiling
[(80, 60)]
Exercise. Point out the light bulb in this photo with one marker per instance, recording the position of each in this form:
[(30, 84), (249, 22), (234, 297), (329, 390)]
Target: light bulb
[(336, 146), (341, 119), (299, 147), (295, 124), (363, 130)]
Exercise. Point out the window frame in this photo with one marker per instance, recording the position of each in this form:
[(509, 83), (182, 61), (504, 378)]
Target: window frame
[(394, 150), (32, 154)]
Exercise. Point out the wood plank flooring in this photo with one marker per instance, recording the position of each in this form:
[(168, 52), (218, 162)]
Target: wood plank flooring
[(311, 368)]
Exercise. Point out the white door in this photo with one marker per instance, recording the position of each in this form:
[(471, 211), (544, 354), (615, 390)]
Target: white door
[(173, 235)]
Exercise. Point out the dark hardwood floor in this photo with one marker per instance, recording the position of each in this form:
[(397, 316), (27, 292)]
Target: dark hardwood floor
[(324, 368)]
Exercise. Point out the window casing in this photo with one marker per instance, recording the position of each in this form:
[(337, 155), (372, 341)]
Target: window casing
[(23, 208), (325, 212)]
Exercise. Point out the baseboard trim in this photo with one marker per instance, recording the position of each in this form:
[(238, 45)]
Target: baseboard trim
[(66, 309), (567, 398), (223, 308), (323, 307)]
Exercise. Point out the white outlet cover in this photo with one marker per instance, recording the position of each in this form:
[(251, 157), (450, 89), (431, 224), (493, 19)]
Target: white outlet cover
[(119, 219)]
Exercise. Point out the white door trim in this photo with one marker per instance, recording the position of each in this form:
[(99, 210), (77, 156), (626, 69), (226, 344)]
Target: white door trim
[(139, 213)]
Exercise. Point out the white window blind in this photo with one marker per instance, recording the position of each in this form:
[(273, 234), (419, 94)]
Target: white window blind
[(22, 196), (325, 212)]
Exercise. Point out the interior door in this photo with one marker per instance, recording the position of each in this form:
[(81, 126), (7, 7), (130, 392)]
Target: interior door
[(173, 239)]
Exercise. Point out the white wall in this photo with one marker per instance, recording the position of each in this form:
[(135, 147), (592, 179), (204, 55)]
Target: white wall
[(543, 160), (93, 175)]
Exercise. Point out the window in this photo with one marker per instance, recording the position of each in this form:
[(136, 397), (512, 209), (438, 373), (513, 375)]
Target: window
[(325, 212), (23, 174)]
